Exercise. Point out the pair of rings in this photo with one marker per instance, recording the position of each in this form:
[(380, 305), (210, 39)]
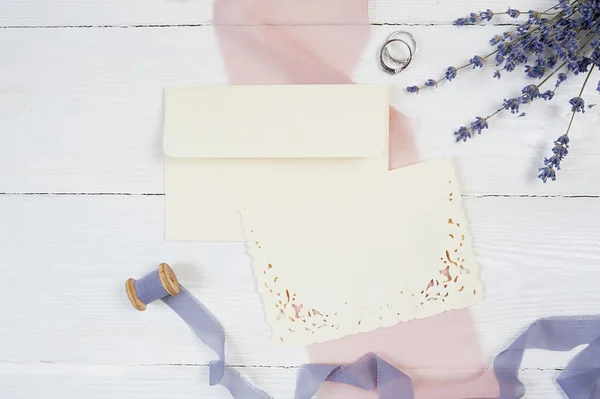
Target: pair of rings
[(397, 52)]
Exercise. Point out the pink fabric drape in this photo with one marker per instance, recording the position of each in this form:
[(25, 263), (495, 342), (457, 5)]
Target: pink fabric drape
[(321, 42)]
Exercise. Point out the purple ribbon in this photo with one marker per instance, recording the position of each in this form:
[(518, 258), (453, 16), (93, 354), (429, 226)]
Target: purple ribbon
[(210, 331), (369, 372), (579, 380)]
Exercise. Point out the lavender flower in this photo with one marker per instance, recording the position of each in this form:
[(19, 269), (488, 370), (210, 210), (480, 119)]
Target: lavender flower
[(552, 164), (560, 79), (535, 71), (565, 6), (550, 45), (486, 15), (577, 104), (548, 95), (470, 20), (535, 17), (477, 62), (512, 105), (479, 124), (496, 39), (530, 93), (523, 28), (513, 13), (563, 141), (461, 22), (451, 73), (462, 134), (499, 59), (547, 173)]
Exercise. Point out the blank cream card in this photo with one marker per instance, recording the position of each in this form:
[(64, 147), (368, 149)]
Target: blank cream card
[(386, 249), (231, 145)]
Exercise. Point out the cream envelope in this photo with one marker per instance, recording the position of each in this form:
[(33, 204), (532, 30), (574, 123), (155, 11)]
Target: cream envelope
[(383, 250), (230, 145)]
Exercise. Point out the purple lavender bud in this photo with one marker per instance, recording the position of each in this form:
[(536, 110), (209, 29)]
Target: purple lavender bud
[(496, 39), (462, 134), (512, 105), (561, 151), (561, 78), (523, 28), (536, 46), (535, 17), (412, 89), (542, 62), (460, 22), (595, 57), (499, 59), (584, 64), (430, 83), (562, 140), (479, 124), (531, 92), (451, 73), (553, 161), (535, 72), (486, 15), (504, 49), (566, 7), (548, 95), (513, 13), (477, 62), (547, 173), (573, 66), (598, 87), (497, 74), (577, 104)]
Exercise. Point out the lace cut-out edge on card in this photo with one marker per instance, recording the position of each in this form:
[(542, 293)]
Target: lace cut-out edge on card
[(294, 322)]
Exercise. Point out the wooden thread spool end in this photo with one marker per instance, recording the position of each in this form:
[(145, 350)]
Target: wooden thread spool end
[(167, 279)]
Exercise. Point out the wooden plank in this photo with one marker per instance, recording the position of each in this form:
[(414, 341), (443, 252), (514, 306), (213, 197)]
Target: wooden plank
[(66, 381), (65, 260), (81, 110), (156, 12), (58, 381)]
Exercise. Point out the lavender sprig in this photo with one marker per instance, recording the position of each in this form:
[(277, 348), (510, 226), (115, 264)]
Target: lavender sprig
[(508, 53), (561, 145), (488, 15), (564, 38)]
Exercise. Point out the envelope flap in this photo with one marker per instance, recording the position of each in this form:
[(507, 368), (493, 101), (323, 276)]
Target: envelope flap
[(300, 121)]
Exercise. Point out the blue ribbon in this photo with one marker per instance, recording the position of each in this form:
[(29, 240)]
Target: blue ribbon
[(579, 380)]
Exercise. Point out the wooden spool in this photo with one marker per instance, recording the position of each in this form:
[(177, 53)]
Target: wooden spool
[(167, 279)]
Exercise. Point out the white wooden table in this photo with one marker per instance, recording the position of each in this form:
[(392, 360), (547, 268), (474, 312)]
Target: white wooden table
[(81, 197)]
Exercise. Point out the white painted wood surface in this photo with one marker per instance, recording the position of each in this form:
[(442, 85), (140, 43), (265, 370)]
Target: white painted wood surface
[(81, 206)]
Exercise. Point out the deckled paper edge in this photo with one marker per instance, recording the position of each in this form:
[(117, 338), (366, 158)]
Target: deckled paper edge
[(282, 337)]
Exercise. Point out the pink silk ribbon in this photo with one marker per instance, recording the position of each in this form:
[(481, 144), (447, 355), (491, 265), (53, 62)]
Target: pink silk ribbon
[(321, 42)]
